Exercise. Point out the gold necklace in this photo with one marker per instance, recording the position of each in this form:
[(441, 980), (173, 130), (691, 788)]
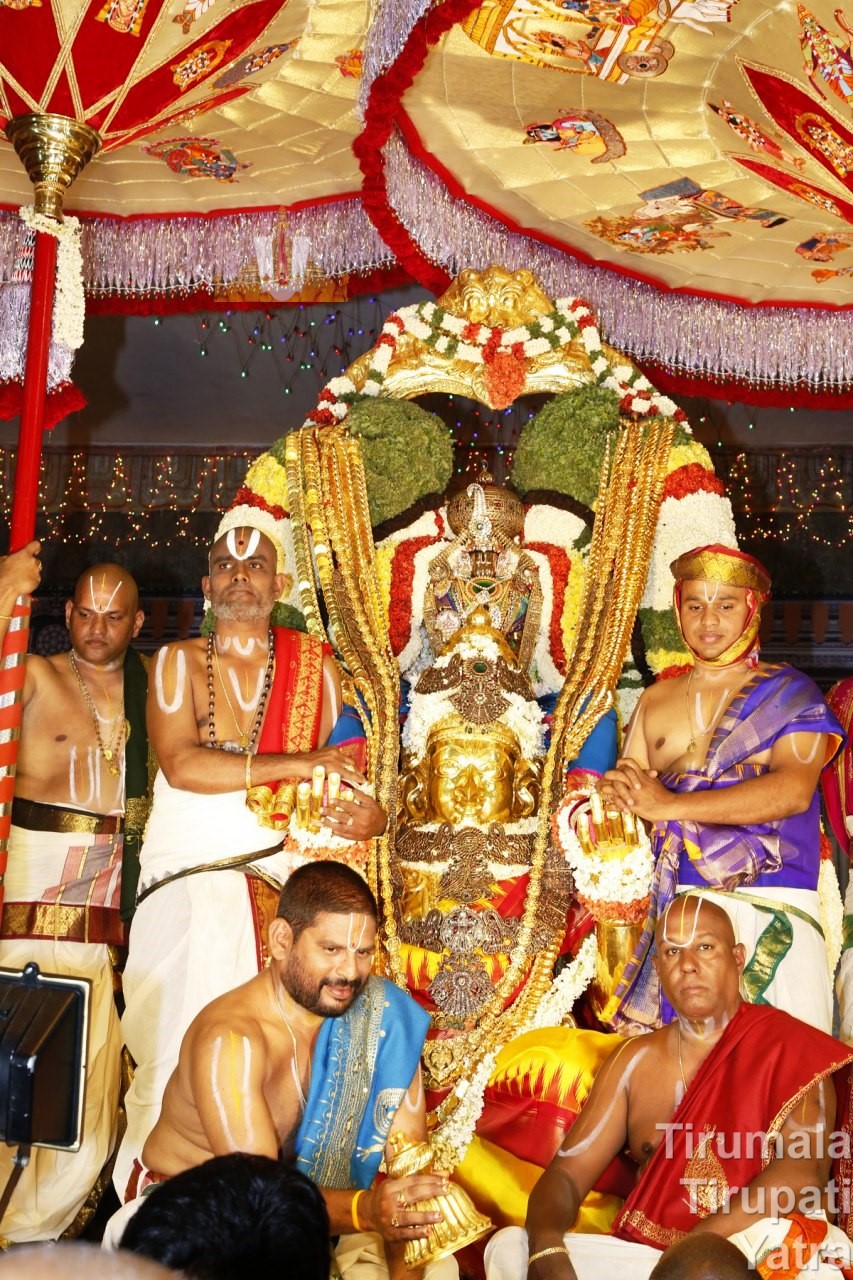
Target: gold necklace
[(112, 752), (691, 746), (294, 1061), (246, 737)]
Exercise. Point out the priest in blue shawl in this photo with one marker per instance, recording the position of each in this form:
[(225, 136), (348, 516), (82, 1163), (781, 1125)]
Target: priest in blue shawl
[(724, 762), (316, 1062)]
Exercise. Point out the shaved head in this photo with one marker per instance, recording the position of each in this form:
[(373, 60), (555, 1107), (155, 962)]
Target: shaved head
[(106, 583), (698, 961), (688, 915), (243, 583), (104, 615)]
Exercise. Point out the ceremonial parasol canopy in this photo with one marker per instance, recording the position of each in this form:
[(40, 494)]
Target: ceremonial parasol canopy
[(685, 164)]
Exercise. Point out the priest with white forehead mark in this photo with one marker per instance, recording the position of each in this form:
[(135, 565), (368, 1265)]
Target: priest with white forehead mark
[(79, 808), (231, 714), (724, 761)]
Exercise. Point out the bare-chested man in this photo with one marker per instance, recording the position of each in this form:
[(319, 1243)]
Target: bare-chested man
[(63, 881), (728, 1113), (725, 762), (249, 704), (314, 1061)]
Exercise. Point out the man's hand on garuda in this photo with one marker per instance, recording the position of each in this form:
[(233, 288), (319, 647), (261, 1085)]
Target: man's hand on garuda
[(358, 819), (392, 1208), (636, 790)]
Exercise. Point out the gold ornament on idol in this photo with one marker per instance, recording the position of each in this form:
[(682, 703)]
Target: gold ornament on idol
[(111, 753), (461, 1222)]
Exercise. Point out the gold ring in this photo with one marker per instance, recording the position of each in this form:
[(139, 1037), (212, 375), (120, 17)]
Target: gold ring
[(402, 1202), (395, 1221)]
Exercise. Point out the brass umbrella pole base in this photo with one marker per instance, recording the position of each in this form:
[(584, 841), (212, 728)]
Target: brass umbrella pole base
[(53, 149)]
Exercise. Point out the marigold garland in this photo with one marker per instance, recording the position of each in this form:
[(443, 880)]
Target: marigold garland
[(572, 604), (402, 577), (692, 478), (681, 455), (561, 570)]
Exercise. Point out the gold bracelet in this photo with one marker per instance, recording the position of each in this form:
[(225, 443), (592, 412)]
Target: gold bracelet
[(248, 771), (6, 617), (354, 1209), (543, 1253)]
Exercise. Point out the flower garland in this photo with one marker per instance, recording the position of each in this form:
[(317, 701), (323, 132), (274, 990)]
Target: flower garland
[(572, 603), (561, 568), (405, 609), (681, 455), (451, 1141), (614, 884), (69, 308), (831, 906), (692, 478), (324, 846), (503, 353), (268, 478), (704, 517), (552, 525)]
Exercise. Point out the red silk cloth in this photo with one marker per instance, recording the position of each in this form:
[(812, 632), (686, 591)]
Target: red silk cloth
[(292, 720), (763, 1065)]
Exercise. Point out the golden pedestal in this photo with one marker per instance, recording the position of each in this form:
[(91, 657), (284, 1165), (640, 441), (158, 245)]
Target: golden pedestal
[(461, 1222)]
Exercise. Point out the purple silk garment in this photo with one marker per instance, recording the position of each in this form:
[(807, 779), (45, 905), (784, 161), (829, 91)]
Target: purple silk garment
[(775, 701)]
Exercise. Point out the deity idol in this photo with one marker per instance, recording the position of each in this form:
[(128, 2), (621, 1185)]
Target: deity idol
[(474, 747), (499, 634)]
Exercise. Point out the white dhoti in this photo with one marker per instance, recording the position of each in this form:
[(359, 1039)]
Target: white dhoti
[(361, 1256), (593, 1256), (44, 895), (796, 978), (193, 938)]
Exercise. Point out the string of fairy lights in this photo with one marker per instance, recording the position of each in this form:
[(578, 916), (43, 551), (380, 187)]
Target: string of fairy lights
[(804, 489), (118, 493)]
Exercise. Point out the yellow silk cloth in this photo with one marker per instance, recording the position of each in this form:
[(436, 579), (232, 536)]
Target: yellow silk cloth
[(539, 1083)]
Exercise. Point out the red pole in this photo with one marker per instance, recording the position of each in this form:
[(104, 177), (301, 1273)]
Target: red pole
[(24, 505), (28, 462)]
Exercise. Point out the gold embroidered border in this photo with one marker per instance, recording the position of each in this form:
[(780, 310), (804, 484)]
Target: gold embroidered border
[(778, 1121), (663, 1236), (62, 923), (263, 901), (304, 696)]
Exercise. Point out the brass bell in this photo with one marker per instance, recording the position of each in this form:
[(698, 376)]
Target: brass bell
[(461, 1222)]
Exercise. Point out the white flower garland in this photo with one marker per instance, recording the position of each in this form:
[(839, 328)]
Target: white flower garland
[(543, 672), (452, 1140), (546, 523), (701, 516), (69, 307), (460, 339), (624, 879)]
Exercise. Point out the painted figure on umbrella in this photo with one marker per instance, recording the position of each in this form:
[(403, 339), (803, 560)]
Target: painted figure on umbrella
[(198, 158)]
